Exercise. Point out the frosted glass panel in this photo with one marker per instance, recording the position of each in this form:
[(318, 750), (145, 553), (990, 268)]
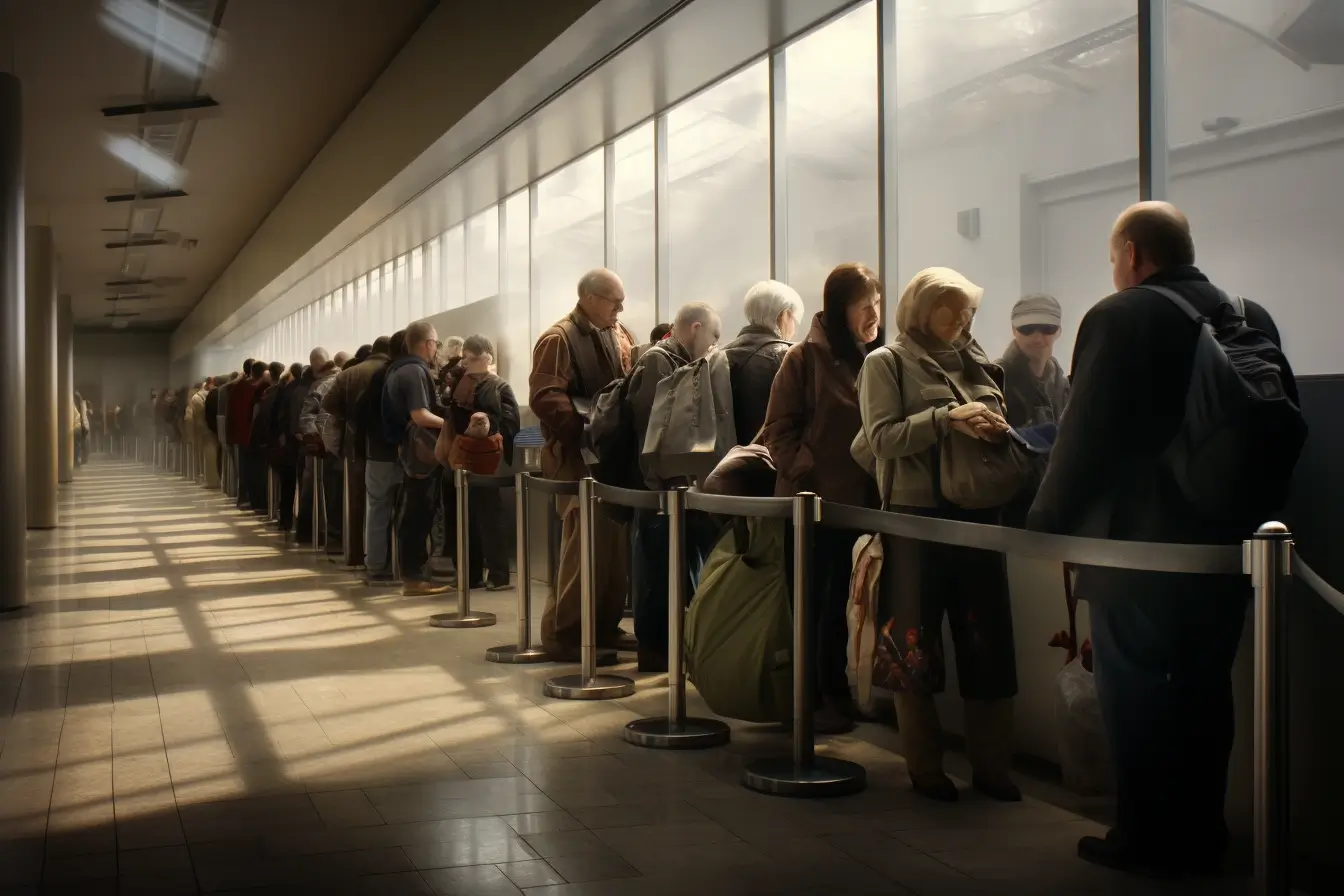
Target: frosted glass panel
[(417, 283), (634, 237), (514, 342), (569, 233), (831, 159), (718, 152), (483, 254), (454, 285)]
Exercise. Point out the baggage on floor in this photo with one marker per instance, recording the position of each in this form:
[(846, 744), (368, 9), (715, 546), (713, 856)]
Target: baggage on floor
[(739, 630)]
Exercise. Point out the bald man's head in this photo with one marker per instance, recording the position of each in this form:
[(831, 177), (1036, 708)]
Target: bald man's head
[(318, 358), (696, 327), (601, 297), (1149, 237)]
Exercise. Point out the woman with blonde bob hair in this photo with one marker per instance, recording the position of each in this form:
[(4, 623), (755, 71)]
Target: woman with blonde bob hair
[(933, 383)]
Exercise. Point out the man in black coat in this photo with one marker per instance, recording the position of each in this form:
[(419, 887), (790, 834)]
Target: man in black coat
[(1164, 643)]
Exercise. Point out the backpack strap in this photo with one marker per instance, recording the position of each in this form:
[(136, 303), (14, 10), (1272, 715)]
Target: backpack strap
[(587, 365), (1237, 303)]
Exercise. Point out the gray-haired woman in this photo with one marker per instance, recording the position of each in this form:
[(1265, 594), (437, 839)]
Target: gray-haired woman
[(773, 310)]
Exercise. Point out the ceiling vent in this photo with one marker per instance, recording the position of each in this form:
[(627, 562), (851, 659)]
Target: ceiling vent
[(133, 296), (1314, 29)]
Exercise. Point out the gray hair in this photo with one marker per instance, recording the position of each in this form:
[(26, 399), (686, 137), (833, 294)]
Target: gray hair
[(767, 300), (597, 282)]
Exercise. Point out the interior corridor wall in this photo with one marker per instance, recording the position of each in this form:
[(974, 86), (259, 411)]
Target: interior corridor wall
[(120, 366)]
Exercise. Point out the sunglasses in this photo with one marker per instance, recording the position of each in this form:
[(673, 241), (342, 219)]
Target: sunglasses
[(1038, 329)]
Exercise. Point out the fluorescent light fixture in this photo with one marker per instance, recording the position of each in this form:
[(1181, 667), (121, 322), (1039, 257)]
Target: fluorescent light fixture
[(133, 264), (165, 31), (144, 159), (145, 220)]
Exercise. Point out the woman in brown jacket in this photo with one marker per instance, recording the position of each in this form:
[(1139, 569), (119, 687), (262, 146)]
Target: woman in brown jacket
[(812, 418), (931, 384)]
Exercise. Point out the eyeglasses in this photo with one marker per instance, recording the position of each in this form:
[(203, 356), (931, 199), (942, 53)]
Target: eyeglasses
[(1038, 329)]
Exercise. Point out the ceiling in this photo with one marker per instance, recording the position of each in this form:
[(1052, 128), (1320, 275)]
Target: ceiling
[(281, 75)]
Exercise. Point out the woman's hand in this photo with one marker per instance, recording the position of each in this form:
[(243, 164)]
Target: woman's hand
[(976, 420)]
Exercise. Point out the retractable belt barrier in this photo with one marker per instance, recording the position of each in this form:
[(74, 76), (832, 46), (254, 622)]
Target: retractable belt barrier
[(1268, 558), (587, 684), (463, 480), (521, 650)]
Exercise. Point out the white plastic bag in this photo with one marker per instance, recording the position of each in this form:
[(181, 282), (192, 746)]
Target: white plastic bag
[(1084, 753)]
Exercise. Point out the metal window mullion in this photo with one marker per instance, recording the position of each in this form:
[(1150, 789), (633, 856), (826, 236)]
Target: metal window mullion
[(779, 177), (1153, 169), (533, 281), (662, 229), (888, 208), (609, 206)]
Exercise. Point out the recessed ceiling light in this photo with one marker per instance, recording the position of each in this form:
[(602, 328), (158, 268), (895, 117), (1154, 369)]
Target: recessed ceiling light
[(146, 160), (173, 36), (145, 220)]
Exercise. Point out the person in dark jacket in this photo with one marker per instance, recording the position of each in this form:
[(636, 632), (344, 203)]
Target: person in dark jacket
[(342, 403), (285, 423), (773, 311), (382, 471), (695, 331), (1035, 388), (473, 388), (812, 419), (1164, 643)]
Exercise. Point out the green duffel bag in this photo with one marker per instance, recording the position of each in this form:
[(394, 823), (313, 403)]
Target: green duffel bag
[(739, 629)]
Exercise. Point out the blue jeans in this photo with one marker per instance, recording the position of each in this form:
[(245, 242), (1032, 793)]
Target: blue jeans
[(382, 479), (649, 572)]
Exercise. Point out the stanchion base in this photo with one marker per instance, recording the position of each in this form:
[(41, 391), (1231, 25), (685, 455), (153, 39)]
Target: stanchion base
[(457, 620), (827, 777), (599, 687), (693, 734), (511, 654)]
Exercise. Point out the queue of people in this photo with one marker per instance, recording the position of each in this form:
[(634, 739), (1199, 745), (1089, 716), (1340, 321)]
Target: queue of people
[(922, 422)]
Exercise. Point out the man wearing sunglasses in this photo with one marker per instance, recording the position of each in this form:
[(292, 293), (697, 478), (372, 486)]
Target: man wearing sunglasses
[(1035, 387)]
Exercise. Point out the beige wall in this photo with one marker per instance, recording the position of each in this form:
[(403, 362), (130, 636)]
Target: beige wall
[(120, 365), (461, 54)]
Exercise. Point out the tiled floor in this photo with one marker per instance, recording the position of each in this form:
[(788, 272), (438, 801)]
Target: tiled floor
[(190, 706)]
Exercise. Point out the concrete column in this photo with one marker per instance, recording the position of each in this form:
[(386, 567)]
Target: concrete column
[(13, 504), (65, 387), (43, 433)]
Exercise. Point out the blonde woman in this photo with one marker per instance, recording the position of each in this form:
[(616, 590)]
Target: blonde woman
[(931, 384)]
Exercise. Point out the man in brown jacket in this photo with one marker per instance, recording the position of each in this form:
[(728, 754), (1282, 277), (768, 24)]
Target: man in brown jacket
[(341, 402), (573, 360)]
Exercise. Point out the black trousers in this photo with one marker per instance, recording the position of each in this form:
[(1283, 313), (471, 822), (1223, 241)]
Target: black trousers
[(417, 518), (289, 483), (1163, 662), (333, 493), (488, 543), (831, 567), (445, 518), (257, 483)]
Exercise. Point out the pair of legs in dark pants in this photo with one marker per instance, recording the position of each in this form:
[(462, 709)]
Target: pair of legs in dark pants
[(650, 574), (488, 543), (333, 495), (445, 519), (258, 486), (1164, 648), (832, 551), (417, 518), (289, 483)]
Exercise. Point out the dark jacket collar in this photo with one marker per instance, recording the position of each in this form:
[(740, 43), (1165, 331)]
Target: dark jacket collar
[(1183, 272)]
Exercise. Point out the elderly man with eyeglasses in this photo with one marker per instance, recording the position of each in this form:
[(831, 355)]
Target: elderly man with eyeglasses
[(571, 362)]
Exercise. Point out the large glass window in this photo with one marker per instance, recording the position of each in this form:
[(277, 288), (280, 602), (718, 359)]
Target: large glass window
[(831, 150), (417, 275), (483, 254), (718, 152), (570, 234), (378, 314), (433, 287), (362, 318), (454, 283), (1258, 166), (634, 242), (515, 349), (1017, 147)]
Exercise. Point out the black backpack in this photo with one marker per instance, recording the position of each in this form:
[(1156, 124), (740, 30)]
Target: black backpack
[(1234, 454), (611, 447)]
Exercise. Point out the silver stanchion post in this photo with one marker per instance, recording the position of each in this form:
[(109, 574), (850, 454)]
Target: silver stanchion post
[(521, 650), (588, 685), (804, 774), (1267, 557), (676, 731), (317, 504), (464, 617)]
